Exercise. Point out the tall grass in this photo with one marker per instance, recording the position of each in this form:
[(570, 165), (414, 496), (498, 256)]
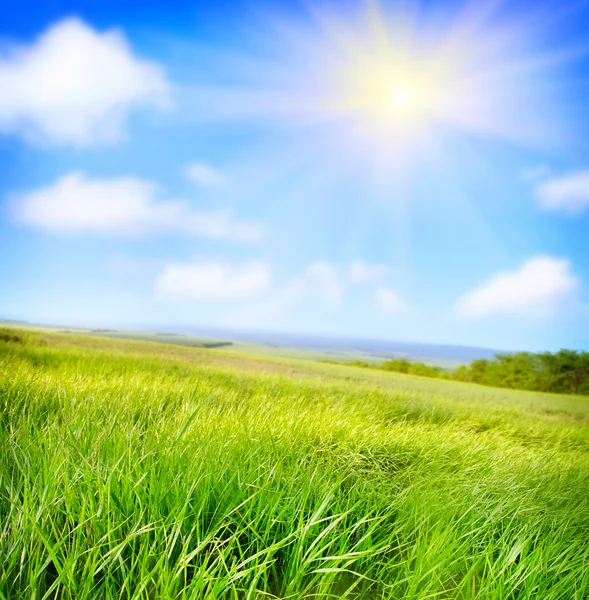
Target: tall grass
[(132, 470)]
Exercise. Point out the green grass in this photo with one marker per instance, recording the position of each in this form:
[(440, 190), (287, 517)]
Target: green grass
[(138, 470)]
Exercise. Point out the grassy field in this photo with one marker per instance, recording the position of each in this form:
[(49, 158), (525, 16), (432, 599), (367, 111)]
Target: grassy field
[(138, 470)]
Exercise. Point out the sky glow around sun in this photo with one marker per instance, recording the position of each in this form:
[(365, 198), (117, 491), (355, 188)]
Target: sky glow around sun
[(391, 85)]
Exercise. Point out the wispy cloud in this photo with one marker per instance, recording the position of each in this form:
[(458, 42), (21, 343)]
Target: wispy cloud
[(212, 281), (320, 283), (124, 206), (537, 288), (535, 173), (126, 265), (323, 284), (205, 175), (361, 271), (389, 301), (75, 85), (567, 193)]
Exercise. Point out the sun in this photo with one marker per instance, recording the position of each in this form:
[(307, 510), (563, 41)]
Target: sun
[(386, 89), (383, 84), (401, 98), (388, 99)]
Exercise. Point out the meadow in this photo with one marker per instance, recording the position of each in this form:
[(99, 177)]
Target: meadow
[(136, 470)]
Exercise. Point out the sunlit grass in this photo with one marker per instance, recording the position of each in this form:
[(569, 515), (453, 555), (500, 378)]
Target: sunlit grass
[(132, 470)]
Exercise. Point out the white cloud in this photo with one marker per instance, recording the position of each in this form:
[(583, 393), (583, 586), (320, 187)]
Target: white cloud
[(205, 175), (319, 283), (327, 283), (536, 173), (389, 301), (212, 281), (567, 193), (536, 288), (324, 284), (125, 265), (75, 85), (363, 272), (76, 204), (323, 281)]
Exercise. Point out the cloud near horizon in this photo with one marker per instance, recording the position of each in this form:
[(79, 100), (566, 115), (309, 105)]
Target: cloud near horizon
[(538, 288), (328, 284), (212, 281), (321, 282), (123, 206), (74, 85)]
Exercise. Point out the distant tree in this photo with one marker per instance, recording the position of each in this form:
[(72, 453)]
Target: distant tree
[(572, 371), (398, 365), (478, 370), (566, 371)]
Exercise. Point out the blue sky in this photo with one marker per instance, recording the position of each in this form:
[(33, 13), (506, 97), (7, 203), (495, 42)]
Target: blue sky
[(401, 171)]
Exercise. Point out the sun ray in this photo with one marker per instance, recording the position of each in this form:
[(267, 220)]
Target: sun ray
[(379, 74), (372, 90)]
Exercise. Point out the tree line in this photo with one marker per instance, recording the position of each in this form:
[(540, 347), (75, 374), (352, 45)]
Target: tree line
[(563, 372)]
